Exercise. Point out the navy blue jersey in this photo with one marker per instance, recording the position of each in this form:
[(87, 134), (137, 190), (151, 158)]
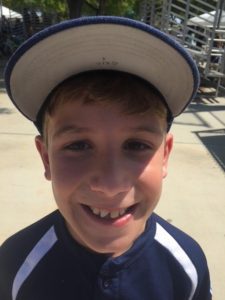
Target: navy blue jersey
[(43, 262)]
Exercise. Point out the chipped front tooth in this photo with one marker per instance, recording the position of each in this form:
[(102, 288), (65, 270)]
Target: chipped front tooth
[(95, 210), (103, 213), (114, 214)]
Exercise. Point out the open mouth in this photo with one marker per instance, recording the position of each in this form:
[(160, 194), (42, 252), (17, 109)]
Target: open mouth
[(104, 214)]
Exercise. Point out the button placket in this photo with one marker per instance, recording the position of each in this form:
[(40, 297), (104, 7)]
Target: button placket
[(106, 282)]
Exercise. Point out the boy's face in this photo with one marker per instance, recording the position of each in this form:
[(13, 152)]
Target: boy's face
[(106, 170)]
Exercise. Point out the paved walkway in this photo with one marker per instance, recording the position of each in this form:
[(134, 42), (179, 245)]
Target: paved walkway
[(194, 191)]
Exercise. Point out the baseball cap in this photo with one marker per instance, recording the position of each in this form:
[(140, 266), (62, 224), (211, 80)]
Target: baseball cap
[(99, 43)]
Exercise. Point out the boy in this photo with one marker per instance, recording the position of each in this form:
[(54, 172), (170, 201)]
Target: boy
[(103, 93)]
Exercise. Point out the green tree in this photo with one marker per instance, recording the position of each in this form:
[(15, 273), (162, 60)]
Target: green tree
[(77, 8), (57, 5), (103, 7)]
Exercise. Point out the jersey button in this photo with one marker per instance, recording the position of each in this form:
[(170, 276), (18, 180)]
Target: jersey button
[(106, 283)]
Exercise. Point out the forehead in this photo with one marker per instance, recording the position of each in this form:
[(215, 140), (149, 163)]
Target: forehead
[(78, 118)]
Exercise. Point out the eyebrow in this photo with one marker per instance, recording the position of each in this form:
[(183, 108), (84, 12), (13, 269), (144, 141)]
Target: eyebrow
[(70, 129), (149, 129)]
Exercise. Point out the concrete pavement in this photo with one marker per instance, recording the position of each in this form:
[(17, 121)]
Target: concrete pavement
[(194, 191)]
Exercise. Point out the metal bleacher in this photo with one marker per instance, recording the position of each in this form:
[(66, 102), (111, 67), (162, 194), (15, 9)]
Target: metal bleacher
[(199, 26)]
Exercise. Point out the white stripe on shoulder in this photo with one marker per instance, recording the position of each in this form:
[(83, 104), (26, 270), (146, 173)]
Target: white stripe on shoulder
[(166, 240), (37, 253)]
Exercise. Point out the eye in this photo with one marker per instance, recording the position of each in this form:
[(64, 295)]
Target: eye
[(78, 146), (136, 146)]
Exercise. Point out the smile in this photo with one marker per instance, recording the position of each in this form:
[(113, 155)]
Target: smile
[(110, 214), (103, 213)]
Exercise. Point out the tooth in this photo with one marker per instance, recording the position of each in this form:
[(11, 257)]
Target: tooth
[(103, 213), (122, 211), (114, 214), (95, 210)]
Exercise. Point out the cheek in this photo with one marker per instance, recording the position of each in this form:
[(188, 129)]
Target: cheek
[(67, 172), (150, 180), (153, 171)]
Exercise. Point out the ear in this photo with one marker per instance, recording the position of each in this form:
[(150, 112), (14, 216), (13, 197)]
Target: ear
[(43, 151), (167, 150)]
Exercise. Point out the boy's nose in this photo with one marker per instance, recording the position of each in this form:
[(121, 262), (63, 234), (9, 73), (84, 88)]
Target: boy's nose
[(111, 178)]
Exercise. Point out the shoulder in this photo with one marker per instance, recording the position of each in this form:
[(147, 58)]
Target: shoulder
[(174, 239), (30, 234), (24, 249), (16, 247), (184, 251)]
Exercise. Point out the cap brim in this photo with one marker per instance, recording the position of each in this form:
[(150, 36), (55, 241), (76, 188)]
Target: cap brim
[(96, 43)]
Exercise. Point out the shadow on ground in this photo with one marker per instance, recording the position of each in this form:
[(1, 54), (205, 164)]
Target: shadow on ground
[(195, 109), (4, 110), (214, 141)]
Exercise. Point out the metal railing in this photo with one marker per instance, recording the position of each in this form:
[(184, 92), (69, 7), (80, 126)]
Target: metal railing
[(199, 26)]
